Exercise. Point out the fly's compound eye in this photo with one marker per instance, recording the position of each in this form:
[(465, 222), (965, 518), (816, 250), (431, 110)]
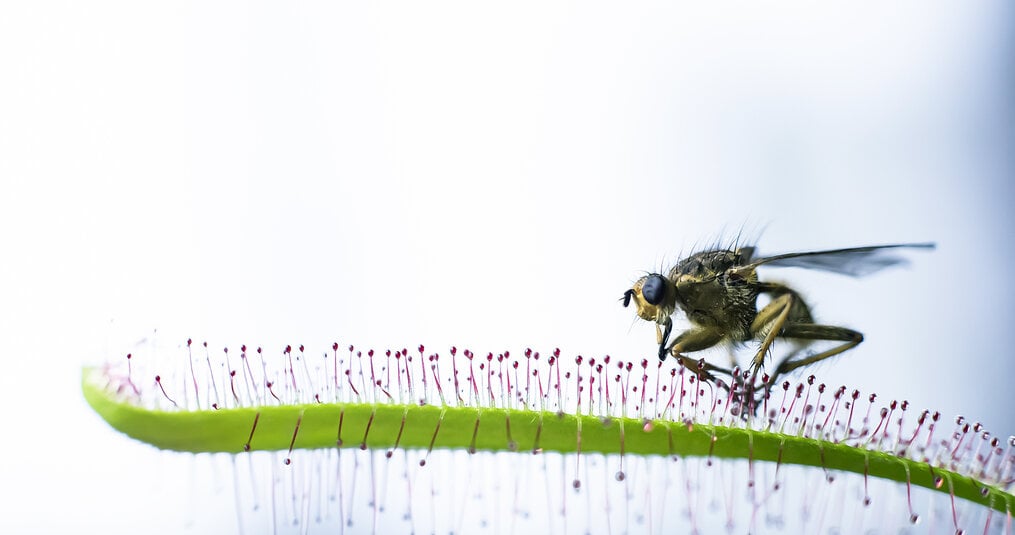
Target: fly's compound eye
[(654, 289), (627, 297)]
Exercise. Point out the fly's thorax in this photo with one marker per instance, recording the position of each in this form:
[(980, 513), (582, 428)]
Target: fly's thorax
[(695, 293), (696, 281), (726, 300)]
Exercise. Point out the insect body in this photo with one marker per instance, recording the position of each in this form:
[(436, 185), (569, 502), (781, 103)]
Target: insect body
[(718, 292)]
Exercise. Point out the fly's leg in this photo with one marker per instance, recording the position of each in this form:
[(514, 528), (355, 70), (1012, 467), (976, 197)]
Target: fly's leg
[(812, 331), (770, 321), (695, 340), (702, 369), (663, 337)]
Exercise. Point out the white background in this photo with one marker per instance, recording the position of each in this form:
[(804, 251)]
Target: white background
[(491, 176)]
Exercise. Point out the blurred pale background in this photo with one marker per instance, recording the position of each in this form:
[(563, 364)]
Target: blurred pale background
[(488, 176)]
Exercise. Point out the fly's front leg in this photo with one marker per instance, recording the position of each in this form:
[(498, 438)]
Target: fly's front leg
[(663, 337), (770, 321), (704, 370), (812, 331), (695, 340)]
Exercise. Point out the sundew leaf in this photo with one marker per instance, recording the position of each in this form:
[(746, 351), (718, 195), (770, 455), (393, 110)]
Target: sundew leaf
[(687, 419)]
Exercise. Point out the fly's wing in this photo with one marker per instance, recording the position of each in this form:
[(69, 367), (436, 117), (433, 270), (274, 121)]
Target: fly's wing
[(855, 262)]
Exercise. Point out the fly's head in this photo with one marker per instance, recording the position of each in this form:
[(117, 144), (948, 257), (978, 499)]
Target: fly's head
[(654, 297)]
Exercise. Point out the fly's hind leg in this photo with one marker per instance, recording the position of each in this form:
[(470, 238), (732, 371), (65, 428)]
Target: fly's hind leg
[(812, 331)]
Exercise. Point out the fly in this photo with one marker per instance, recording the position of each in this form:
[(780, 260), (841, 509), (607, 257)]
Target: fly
[(717, 290)]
